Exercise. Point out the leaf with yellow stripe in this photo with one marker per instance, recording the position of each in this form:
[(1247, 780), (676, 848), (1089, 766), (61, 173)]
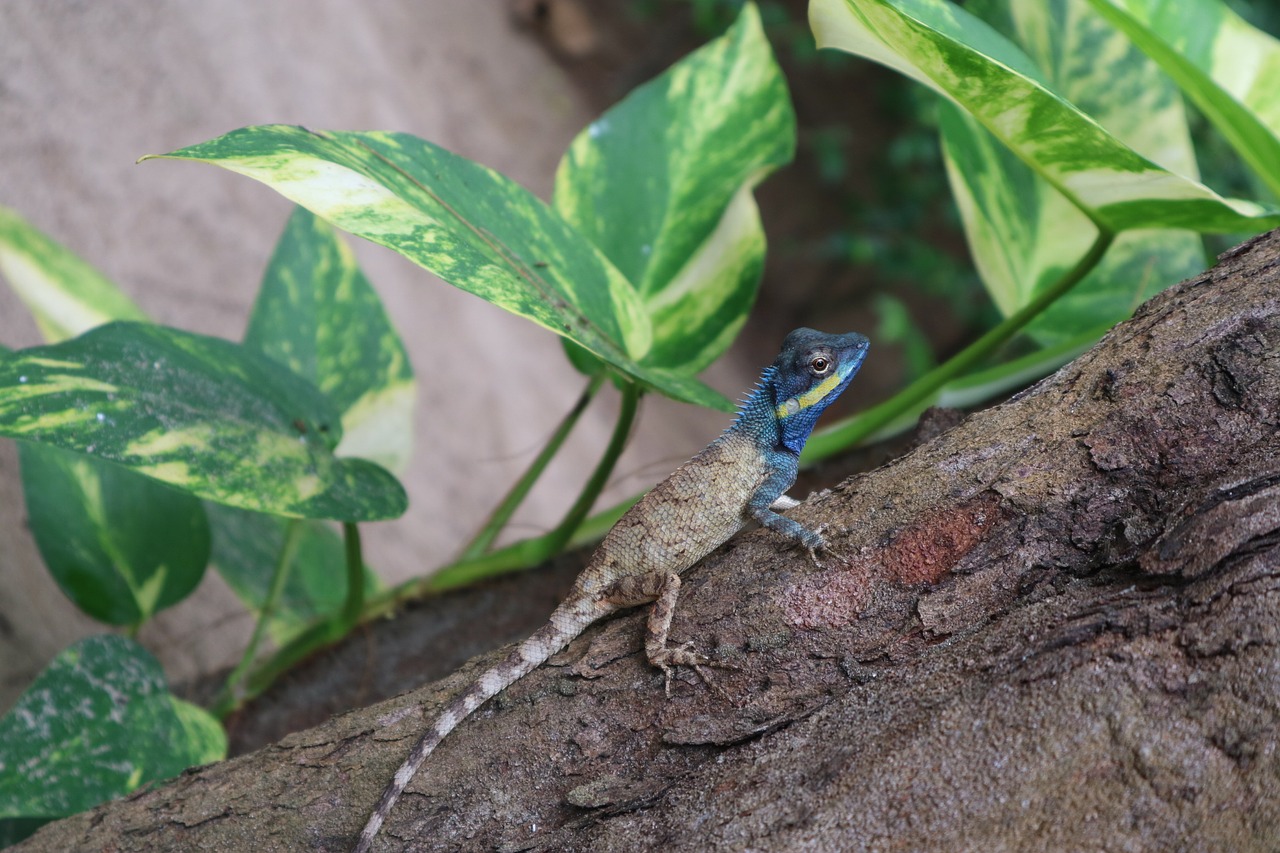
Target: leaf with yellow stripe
[(1227, 67), (946, 48), (471, 226), (64, 294), (121, 546), (1023, 232), (211, 417), (317, 314), (662, 184)]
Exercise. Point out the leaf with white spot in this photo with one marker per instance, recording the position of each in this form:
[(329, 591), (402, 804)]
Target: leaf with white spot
[(99, 722), (211, 417)]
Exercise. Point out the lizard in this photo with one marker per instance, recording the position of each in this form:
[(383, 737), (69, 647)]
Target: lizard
[(741, 476)]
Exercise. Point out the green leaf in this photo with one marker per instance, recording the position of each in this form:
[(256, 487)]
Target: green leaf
[(65, 295), (98, 723), (1023, 234), (662, 182), (121, 546), (1227, 67), (317, 314), (469, 225), (246, 548), (211, 417), (944, 47)]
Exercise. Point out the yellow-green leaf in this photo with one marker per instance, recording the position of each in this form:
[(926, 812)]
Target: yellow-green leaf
[(317, 314), (469, 225), (662, 183), (213, 418), (65, 295), (949, 50)]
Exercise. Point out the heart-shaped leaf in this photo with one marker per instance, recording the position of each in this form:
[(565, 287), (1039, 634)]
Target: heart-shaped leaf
[(98, 722), (317, 314), (662, 183)]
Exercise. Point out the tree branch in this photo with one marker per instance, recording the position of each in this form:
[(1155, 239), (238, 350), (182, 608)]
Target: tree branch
[(1055, 626)]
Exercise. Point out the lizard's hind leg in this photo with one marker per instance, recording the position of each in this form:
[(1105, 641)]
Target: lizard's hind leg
[(662, 590), (664, 656)]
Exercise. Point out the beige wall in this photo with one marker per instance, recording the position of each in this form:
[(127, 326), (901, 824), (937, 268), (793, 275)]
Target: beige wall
[(86, 88)]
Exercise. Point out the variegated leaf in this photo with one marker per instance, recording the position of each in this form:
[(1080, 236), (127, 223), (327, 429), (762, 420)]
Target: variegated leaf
[(946, 48), (662, 182), (1023, 233), (1228, 68), (211, 417), (65, 295), (317, 314), (471, 226), (121, 546), (99, 722)]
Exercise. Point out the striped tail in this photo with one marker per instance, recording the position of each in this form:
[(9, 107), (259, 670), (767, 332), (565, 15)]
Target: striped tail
[(568, 621)]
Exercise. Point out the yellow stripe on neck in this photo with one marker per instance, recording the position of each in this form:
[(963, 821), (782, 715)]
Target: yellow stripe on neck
[(808, 398)]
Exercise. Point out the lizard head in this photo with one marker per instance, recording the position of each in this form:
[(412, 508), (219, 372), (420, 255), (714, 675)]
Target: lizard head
[(808, 375)]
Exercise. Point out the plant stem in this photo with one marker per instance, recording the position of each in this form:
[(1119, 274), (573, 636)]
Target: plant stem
[(502, 513), (518, 555), (354, 605), (231, 696), (533, 551), (529, 552), (915, 396)]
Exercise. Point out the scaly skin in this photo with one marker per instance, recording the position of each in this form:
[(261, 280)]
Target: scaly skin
[(737, 478)]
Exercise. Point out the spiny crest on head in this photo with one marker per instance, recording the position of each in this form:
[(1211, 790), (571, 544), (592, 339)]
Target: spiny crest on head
[(755, 403)]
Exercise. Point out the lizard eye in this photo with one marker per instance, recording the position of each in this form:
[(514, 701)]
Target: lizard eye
[(820, 364)]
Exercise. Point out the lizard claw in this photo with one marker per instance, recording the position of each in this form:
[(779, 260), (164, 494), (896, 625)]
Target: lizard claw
[(683, 655), (821, 545)]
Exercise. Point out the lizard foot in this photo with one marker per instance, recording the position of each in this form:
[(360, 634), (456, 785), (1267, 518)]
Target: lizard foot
[(813, 547), (683, 655)]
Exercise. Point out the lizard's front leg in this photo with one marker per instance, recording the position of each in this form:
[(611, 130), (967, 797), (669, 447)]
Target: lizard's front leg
[(762, 505)]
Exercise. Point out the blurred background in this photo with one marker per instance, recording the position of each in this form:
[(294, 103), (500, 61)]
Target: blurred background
[(862, 232)]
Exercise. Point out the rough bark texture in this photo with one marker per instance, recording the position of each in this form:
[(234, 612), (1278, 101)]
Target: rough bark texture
[(1055, 627)]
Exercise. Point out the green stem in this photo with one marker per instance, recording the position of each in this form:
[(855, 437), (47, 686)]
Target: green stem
[(917, 395), (502, 513), (572, 529), (533, 551), (232, 695), (519, 555), (354, 605)]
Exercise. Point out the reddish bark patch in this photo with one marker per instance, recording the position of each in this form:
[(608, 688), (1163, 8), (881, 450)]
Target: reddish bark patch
[(922, 553), (925, 552)]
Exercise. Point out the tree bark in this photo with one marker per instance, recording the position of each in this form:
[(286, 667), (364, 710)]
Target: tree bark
[(1054, 626)]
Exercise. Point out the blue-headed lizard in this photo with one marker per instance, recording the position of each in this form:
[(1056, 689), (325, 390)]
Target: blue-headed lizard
[(739, 477)]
